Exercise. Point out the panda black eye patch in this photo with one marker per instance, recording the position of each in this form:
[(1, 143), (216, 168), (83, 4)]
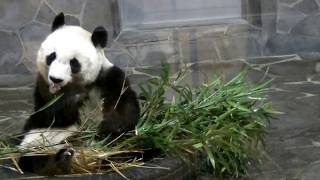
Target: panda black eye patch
[(75, 65), (50, 58)]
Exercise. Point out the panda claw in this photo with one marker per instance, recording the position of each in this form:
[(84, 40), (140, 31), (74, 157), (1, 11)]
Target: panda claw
[(65, 154)]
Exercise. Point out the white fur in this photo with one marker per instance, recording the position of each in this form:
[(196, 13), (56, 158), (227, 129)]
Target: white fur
[(50, 138), (70, 42)]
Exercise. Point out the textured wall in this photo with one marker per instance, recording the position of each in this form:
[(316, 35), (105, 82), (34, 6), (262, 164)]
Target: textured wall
[(24, 24), (273, 27), (297, 27)]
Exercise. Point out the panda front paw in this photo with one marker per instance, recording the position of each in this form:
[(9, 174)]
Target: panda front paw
[(65, 154)]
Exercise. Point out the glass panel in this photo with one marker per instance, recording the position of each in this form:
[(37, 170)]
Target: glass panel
[(135, 13)]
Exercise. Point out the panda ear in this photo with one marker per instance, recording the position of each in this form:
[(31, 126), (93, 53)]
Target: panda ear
[(99, 37), (57, 22)]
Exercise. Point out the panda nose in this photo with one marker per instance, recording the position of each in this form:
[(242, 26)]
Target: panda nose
[(55, 80)]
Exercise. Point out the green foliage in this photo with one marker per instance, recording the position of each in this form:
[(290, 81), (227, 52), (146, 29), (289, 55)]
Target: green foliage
[(223, 121)]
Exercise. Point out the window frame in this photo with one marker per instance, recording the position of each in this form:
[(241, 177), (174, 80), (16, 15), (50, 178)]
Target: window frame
[(250, 13)]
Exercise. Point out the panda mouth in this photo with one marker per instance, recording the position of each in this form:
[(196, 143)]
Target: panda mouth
[(54, 88)]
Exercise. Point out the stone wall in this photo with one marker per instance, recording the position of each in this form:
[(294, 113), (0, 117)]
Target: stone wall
[(297, 28), (25, 24), (273, 27)]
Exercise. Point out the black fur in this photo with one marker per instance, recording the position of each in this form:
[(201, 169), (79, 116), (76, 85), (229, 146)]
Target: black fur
[(63, 113), (120, 106), (75, 65), (58, 22), (50, 58), (99, 37), (48, 165), (120, 111)]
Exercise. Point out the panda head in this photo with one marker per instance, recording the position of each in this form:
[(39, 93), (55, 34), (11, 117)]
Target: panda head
[(70, 54)]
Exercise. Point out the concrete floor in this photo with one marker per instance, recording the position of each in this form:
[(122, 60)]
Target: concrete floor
[(293, 140)]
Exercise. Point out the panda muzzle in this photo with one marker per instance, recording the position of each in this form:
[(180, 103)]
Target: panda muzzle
[(54, 88)]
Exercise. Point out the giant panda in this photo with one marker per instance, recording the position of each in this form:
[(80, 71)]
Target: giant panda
[(71, 63)]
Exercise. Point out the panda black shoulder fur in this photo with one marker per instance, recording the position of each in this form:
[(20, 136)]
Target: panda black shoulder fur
[(71, 61)]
